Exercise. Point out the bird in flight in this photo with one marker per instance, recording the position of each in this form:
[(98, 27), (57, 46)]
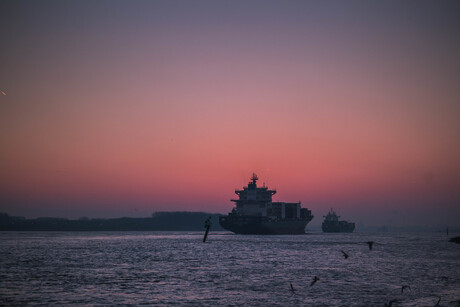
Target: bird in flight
[(405, 287), (3, 93), (345, 255), (370, 243), (390, 303), (315, 279), (292, 287)]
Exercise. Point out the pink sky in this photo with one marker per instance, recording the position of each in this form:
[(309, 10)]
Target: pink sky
[(138, 107)]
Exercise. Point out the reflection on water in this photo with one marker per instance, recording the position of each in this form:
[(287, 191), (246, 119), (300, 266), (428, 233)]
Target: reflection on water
[(177, 268)]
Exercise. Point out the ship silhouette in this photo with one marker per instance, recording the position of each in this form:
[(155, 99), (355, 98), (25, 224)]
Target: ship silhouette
[(256, 213), (332, 224)]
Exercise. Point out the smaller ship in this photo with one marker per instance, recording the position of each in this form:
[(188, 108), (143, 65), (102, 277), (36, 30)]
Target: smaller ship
[(332, 224)]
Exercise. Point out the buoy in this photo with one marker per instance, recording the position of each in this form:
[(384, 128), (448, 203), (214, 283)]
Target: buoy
[(207, 225)]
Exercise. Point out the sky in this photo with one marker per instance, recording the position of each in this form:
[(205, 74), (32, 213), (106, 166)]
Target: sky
[(124, 108)]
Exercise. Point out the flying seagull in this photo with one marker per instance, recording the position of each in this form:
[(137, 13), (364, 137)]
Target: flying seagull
[(4, 94), (370, 243), (315, 279), (345, 255), (390, 303), (405, 287)]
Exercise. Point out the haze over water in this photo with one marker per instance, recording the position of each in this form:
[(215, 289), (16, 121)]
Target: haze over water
[(119, 268)]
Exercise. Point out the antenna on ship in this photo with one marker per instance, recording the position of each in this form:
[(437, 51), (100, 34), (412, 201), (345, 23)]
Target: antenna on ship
[(254, 178)]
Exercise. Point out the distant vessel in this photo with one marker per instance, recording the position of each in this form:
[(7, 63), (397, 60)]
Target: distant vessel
[(256, 213), (332, 224)]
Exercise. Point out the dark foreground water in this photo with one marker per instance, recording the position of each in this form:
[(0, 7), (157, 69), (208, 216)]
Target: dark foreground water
[(119, 268)]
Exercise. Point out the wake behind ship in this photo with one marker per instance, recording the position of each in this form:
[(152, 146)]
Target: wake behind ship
[(256, 213)]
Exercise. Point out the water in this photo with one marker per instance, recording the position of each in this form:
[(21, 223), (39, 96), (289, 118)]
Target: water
[(119, 268)]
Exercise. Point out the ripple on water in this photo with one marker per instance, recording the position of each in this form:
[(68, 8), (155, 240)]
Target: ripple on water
[(177, 268)]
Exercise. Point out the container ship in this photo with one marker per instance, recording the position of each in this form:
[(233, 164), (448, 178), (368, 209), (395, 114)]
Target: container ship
[(256, 213), (332, 224)]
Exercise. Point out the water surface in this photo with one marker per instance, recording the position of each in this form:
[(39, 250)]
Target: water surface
[(165, 268)]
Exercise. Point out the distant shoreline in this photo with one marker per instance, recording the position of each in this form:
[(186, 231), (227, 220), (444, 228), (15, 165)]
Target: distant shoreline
[(166, 221), (160, 221)]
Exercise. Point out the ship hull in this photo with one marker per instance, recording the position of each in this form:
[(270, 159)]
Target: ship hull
[(262, 225), (338, 227)]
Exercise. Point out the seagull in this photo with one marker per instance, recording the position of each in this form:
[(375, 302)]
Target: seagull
[(292, 287), (4, 94), (370, 243), (315, 279), (345, 254), (390, 303), (405, 287)]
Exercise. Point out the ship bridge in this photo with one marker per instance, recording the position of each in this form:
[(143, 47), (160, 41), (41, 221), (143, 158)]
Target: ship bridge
[(252, 193)]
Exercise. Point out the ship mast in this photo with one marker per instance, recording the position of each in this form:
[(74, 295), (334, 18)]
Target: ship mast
[(254, 178)]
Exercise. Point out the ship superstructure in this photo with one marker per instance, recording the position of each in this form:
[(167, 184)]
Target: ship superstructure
[(332, 224), (256, 213)]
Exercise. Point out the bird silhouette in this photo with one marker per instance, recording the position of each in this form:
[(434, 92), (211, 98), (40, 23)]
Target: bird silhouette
[(345, 255), (292, 287), (315, 279), (405, 287), (390, 303), (370, 243)]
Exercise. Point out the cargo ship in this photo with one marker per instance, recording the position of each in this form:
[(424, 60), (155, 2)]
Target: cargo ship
[(332, 224), (256, 213)]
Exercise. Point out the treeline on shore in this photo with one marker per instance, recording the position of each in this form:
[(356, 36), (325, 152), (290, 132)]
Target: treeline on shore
[(159, 221)]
